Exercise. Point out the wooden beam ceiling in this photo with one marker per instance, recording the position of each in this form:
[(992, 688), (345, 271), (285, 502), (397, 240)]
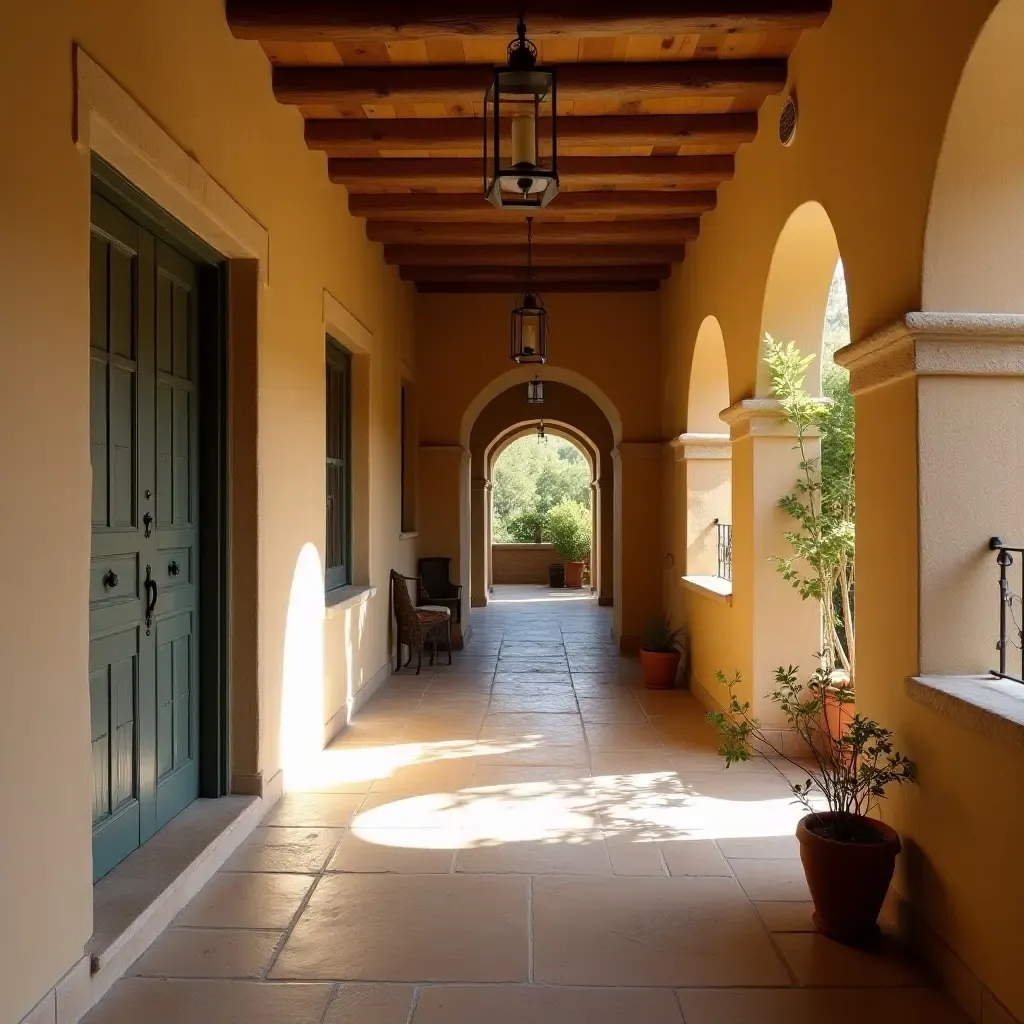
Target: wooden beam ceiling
[(542, 275), (339, 137), (478, 287), (394, 20), (566, 255), (576, 172), (464, 84), (615, 232), (572, 206)]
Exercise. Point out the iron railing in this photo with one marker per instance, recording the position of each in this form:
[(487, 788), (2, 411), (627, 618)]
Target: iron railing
[(724, 550), (1011, 630)]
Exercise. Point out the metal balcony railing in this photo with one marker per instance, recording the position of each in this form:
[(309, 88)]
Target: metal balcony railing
[(724, 550), (1011, 633)]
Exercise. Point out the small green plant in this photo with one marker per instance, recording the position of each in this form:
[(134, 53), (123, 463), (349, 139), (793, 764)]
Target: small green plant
[(568, 528), (661, 638), (851, 770)]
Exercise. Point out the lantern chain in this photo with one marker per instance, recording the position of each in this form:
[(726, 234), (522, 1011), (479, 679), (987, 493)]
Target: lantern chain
[(529, 254)]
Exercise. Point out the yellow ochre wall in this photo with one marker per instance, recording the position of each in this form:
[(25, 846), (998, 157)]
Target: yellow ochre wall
[(212, 95), (875, 87)]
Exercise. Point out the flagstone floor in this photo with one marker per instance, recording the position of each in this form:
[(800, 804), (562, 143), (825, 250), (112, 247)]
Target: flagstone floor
[(525, 837)]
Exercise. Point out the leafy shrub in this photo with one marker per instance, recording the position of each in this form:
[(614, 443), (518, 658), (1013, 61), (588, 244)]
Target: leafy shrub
[(660, 637), (568, 528)]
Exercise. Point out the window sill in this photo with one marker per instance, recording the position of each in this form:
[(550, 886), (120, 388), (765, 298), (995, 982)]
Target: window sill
[(408, 534), (342, 598), (713, 587), (985, 704)]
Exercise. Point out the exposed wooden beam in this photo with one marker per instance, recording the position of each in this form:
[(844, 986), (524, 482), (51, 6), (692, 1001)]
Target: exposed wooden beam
[(543, 276), (391, 20), (544, 256), (479, 287), (615, 232), (360, 136), (465, 84), (574, 205), (575, 172)]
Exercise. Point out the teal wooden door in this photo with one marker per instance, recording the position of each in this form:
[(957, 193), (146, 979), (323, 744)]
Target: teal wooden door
[(143, 652)]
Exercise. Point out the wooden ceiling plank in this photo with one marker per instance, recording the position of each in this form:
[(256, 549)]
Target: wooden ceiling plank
[(517, 275), (543, 256), (466, 174), (391, 20), (473, 206), (551, 287), (339, 137), (465, 84), (654, 232)]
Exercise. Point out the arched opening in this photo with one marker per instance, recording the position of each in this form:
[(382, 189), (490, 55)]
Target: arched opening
[(530, 475), (797, 292), (974, 240), (707, 463)]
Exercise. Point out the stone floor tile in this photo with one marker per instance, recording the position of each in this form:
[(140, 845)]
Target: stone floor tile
[(208, 953), (493, 775), (246, 900), (578, 854), (622, 736), (530, 686), (772, 880), (818, 1006), (295, 850), (444, 776), (761, 848), (630, 762), (695, 857), (367, 1003), (314, 810), (558, 702), (409, 851), (166, 1001), (818, 961), (411, 928), (786, 917), (454, 726), (599, 710), (536, 1004), (554, 729), (649, 931), (634, 855)]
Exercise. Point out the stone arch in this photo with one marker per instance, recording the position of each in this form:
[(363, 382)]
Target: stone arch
[(796, 292), (556, 428), (974, 237)]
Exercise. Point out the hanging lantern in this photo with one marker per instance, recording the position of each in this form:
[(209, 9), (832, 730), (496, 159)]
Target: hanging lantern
[(542, 438), (535, 391), (520, 131), (530, 318)]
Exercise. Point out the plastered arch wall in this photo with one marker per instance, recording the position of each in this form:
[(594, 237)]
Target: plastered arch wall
[(552, 428), (796, 292), (507, 416), (708, 391), (974, 243)]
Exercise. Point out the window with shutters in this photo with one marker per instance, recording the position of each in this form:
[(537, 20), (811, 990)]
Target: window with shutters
[(339, 471)]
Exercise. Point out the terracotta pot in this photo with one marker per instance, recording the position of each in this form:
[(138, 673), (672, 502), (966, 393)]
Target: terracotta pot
[(660, 668), (574, 574), (838, 716), (848, 881)]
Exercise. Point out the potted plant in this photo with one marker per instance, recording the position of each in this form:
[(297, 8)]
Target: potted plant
[(568, 528), (660, 653), (847, 854)]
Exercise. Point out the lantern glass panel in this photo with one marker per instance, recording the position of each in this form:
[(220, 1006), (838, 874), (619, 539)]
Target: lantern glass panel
[(530, 331)]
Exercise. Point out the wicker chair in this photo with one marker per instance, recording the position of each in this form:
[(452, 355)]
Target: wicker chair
[(437, 589), (418, 626)]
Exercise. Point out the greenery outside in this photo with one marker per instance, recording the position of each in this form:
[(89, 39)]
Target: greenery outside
[(569, 528), (530, 479)]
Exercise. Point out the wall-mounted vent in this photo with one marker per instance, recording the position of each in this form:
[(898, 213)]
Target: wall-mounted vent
[(787, 121)]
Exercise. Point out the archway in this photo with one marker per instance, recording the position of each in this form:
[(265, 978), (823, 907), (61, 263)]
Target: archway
[(567, 411), (796, 293), (974, 239), (532, 564)]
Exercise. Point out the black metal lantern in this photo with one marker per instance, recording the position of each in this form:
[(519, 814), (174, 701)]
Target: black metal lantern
[(542, 437), (520, 130), (535, 391), (530, 318)]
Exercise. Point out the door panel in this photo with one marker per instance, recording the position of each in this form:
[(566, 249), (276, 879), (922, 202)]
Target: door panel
[(143, 444)]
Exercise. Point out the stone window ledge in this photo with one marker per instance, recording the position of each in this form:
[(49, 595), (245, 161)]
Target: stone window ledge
[(713, 587), (985, 704), (343, 598), (408, 534)]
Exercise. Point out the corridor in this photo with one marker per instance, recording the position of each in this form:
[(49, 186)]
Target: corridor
[(526, 837)]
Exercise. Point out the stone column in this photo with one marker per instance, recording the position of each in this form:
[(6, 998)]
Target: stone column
[(479, 546), (706, 486), (773, 625), (489, 540), (595, 536)]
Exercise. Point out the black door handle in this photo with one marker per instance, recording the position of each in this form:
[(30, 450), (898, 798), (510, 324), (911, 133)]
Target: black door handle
[(174, 568), (110, 579), (147, 522), (151, 597)]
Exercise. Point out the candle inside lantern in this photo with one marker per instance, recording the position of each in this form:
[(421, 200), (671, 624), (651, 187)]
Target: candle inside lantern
[(524, 141), (529, 337)]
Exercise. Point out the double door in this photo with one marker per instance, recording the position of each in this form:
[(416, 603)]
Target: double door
[(143, 588)]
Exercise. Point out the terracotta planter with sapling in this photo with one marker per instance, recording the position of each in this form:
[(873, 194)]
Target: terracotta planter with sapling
[(848, 855), (568, 528), (660, 654)]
